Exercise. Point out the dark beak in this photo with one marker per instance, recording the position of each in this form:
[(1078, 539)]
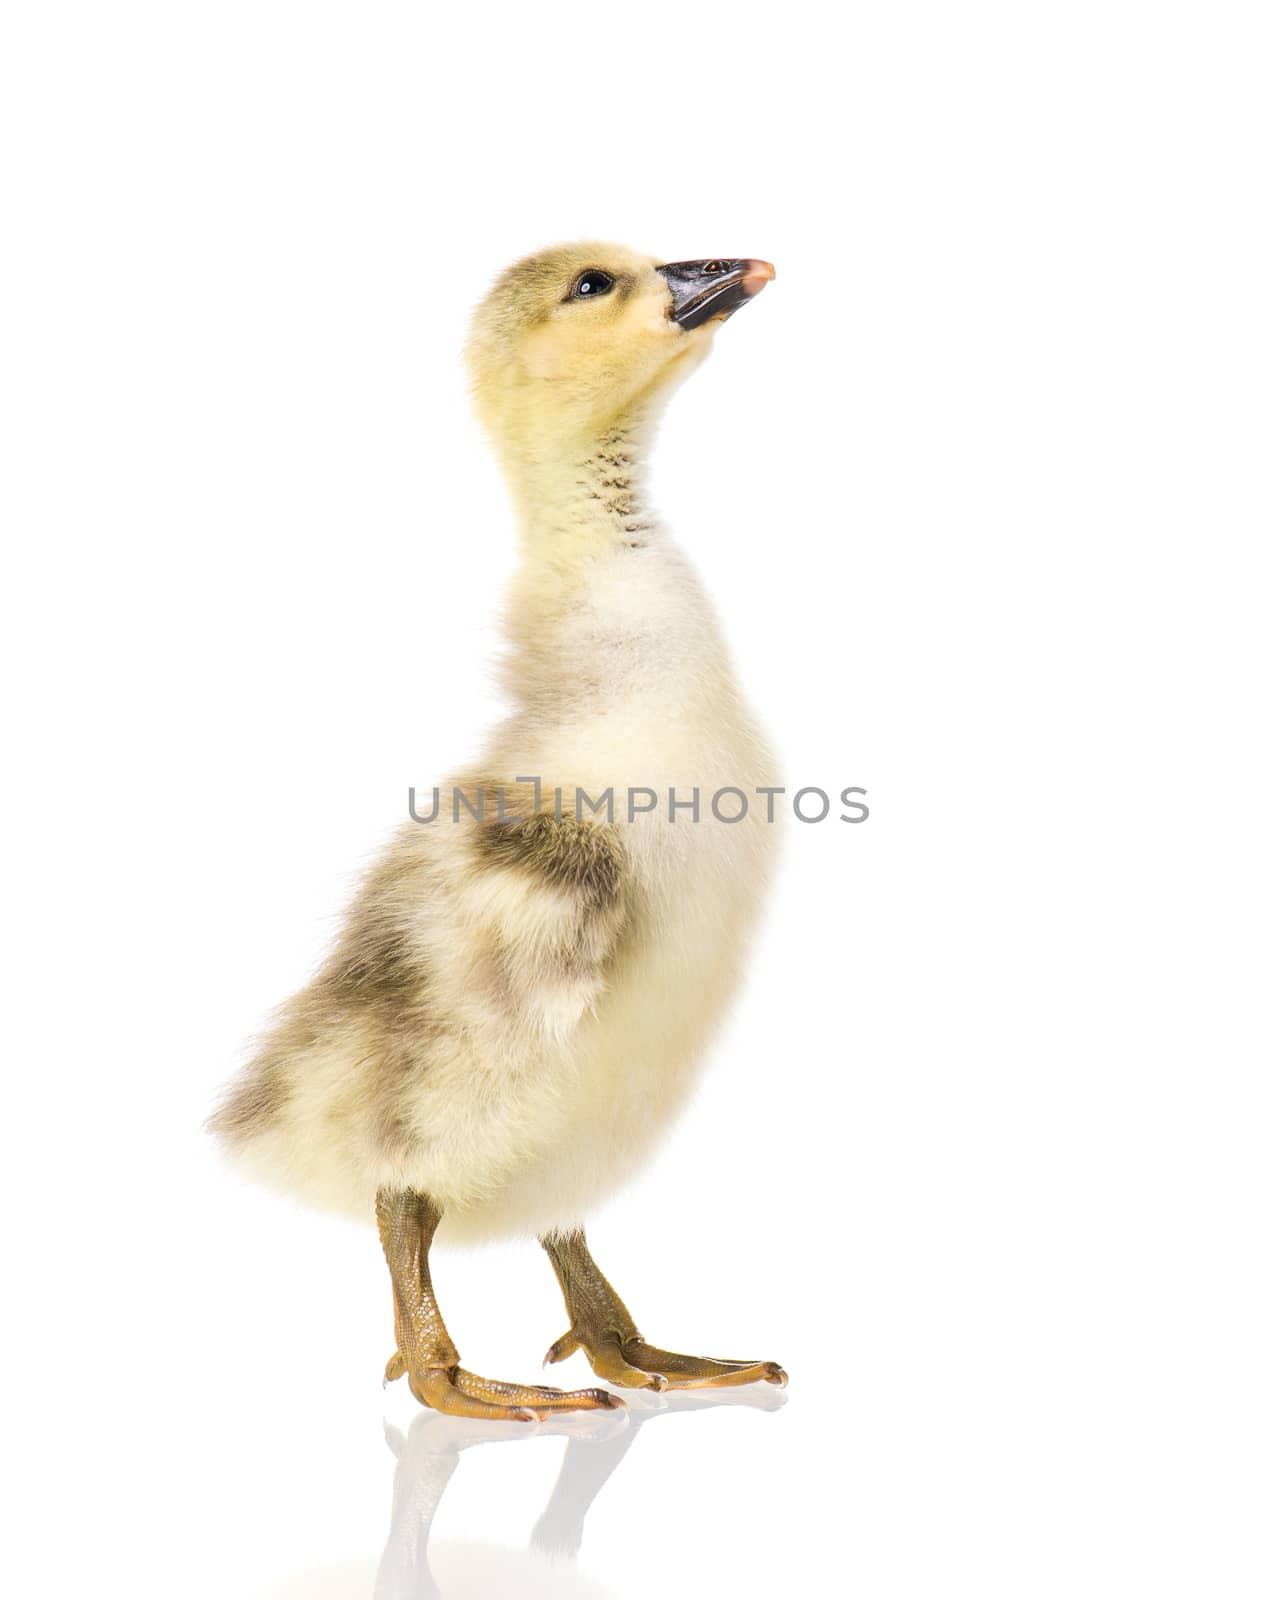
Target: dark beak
[(703, 290)]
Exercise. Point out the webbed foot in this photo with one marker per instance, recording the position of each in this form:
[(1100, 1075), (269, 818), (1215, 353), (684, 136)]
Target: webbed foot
[(633, 1363), (459, 1393), (617, 1351)]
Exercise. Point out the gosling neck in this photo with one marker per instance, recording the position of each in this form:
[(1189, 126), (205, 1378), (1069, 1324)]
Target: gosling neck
[(583, 497)]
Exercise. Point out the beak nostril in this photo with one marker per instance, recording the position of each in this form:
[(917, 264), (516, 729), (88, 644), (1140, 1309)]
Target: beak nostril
[(703, 291)]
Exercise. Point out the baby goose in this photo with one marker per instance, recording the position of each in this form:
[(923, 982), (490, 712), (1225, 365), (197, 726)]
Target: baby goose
[(523, 989)]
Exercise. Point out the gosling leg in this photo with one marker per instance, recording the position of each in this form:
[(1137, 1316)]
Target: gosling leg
[(425, 1353)]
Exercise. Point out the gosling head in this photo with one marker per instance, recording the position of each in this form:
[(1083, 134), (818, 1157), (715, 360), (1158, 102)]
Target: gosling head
[(575, 340)]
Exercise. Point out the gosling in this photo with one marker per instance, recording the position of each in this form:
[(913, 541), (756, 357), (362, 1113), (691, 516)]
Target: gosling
[(524, 988)]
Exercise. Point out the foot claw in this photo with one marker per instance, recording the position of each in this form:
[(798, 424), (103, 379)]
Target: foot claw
[(395, 1369), (563, 1348)]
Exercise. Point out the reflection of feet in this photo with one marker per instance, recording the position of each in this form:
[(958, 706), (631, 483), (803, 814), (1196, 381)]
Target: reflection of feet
[(459, 1393), (432, 1436), (645, 1406), (427, 1458), (589, 1462)]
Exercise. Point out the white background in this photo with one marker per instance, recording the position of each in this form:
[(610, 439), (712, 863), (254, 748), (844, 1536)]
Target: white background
[(980, 488)]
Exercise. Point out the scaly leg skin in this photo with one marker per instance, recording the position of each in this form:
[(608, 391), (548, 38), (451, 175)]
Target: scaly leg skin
[(602, 1326), (426, 1354)]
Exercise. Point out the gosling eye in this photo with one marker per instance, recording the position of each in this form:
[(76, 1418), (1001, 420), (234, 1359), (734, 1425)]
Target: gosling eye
[(591, 285)]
